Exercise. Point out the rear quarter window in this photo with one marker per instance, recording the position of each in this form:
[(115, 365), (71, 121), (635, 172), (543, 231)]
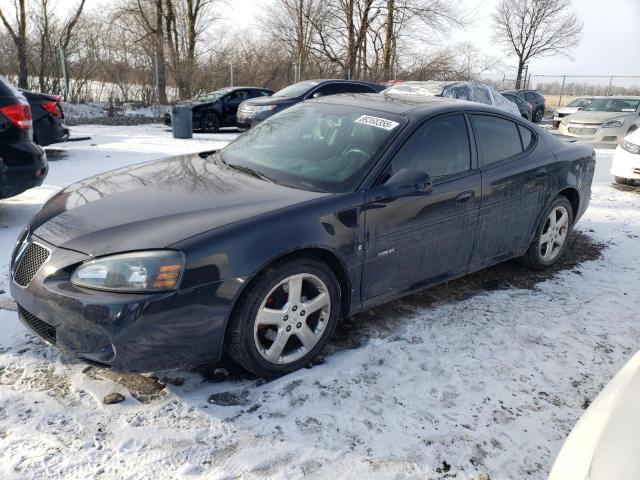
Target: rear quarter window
[(498, 138)]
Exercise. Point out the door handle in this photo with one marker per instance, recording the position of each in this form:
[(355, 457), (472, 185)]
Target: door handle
[(465, 196), (541, 173)]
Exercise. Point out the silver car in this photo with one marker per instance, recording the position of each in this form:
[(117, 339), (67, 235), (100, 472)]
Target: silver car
[(571, 108), (462, 90), (605, 120)]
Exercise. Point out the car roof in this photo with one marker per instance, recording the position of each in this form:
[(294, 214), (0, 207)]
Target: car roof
[(322, 81), (619, 97), (406, 104)]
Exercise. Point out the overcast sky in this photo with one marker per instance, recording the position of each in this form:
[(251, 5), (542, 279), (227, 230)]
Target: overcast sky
[(609, 44)]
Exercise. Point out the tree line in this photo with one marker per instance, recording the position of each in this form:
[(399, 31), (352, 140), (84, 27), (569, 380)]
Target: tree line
[(165, 50)]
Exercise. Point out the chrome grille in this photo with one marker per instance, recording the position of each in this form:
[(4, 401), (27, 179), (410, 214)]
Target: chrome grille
[(246, 110), (28, 265), (40, 328), (583, 131)]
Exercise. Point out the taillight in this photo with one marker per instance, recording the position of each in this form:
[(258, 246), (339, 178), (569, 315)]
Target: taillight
[(52, 107), (529, 105), (19, 114)]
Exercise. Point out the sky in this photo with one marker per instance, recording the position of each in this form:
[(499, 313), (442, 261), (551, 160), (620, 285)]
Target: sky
[(608, 46)]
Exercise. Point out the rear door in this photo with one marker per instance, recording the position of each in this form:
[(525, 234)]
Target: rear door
[(513, 182), (415, 241), (231, 103)]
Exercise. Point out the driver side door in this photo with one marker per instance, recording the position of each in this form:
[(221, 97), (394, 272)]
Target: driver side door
[(414, 241)]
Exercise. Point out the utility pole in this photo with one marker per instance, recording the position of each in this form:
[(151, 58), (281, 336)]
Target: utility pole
[(63, 64), (231, 72)]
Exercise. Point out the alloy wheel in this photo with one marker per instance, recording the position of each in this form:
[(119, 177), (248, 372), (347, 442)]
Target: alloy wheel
[(554, 233), (292, 318)]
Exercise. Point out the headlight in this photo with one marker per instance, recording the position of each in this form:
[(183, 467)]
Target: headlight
[(150, 271), (264, 108), (613, 123), (630, 147)]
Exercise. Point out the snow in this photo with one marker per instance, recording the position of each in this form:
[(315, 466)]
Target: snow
[(436, 385)]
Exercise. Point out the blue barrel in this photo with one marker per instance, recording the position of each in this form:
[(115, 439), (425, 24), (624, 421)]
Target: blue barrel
[(182, 121)]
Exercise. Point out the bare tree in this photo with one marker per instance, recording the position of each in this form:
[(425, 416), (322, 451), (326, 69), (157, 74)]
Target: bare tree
[(536, 28), (19, 37)]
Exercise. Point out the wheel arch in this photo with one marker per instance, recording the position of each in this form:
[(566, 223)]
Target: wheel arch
[(330, 258), (572, 194)]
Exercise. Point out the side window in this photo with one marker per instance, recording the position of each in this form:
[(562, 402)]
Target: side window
[(329, 89), (236, 98), (357, 88), (498, 138), (439, 148), (526, 136), (530, 97)]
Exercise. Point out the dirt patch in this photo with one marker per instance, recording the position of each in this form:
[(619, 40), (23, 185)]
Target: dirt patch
[(383, 321), (633, 187), (142, 388)]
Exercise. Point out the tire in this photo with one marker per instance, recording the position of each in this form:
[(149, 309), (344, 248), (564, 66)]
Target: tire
[(537, 117), (556, 125), (621, 180), (539, 257), (210, 123), (256, 346)]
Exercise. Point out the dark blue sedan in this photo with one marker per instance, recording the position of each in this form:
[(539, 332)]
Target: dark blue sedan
[(328, 208)]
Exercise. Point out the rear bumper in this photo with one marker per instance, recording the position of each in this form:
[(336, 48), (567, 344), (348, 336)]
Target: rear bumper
[(50, 129), (22, 166), (125, 332)]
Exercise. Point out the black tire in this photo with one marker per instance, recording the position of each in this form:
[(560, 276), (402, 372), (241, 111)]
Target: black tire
[(538, 115), (239, 338), (210, 123), (556, 125), (533, 257), (621, 180)]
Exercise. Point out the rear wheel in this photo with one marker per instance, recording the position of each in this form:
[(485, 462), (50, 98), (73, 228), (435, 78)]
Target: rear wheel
[(551, 237), (286, 316), (210, 123), (537, 117)]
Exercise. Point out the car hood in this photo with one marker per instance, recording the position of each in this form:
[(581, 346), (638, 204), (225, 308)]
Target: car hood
[(156, 204), (596, 117), (568, 110), (255, 102)]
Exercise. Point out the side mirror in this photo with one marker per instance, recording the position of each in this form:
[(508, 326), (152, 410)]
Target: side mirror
[(316, 95), (406, 183)]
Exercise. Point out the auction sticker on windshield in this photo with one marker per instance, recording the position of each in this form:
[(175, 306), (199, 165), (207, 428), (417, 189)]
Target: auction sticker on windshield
[(377, 122)]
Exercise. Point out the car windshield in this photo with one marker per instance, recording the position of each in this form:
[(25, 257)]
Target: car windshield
[(319, 147), (612, 105), (295, 90), (580, 102)]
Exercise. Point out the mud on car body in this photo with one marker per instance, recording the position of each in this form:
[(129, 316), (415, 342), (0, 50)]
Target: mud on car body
[(259, 250)]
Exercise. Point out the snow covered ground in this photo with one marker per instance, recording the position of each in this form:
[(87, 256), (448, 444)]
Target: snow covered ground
[(483, 377)]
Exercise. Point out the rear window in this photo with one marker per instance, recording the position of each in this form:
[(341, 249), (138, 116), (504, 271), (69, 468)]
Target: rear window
[(497, 137)]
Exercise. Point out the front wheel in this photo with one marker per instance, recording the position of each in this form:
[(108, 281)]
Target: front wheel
[(556, 125), (286, 316), (210, 123), (552, 236)]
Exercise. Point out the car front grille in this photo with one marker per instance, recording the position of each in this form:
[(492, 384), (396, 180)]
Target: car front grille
[(40, 328), (582, 130), (28, 265)]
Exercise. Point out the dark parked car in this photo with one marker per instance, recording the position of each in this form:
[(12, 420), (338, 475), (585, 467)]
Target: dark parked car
[(48, 118), (536, 99), (328, 208), (218, 109), (257, 110), (525, 108), (23, 164)]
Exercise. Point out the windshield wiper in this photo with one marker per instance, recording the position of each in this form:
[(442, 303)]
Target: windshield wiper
[(250, 171)]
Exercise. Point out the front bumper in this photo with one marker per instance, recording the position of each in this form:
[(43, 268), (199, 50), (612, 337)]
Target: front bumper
[(625, 164), (594, 133), (126, 332)]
